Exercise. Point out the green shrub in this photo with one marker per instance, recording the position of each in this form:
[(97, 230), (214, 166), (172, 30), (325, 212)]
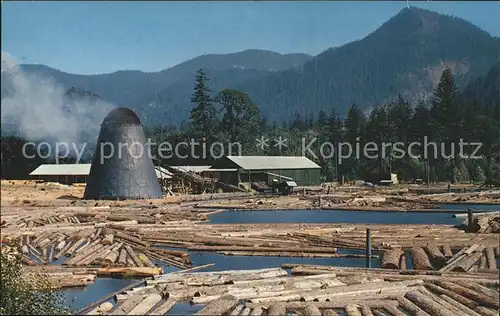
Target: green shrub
[(22, 296)]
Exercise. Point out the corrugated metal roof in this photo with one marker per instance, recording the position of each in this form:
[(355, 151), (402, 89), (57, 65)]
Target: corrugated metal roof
[(273, 162), (195, 169), (81, 170), (62, 170)]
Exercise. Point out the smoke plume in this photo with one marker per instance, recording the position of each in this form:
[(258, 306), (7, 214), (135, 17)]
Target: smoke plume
[(38, 109)]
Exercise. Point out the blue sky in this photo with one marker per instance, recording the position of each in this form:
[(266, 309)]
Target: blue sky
[(99, 37)]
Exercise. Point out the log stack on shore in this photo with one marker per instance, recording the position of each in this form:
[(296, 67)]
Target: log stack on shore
[(314, 290)]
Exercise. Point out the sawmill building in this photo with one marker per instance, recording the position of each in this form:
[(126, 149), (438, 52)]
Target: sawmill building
[(237, 169), (76, 173)]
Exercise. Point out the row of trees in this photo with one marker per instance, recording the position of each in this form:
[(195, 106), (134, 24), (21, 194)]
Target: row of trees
[(449, 119), (230, 116)]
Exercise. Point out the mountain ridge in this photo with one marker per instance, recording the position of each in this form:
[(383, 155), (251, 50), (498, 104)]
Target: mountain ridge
[(405, 55)]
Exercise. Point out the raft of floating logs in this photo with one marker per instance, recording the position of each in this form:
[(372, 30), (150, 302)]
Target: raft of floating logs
[(117, 251), (440, 257), (107, 247), (312, 290)]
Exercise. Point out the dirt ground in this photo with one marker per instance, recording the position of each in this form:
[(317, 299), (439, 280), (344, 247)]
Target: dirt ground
[(23, 192)]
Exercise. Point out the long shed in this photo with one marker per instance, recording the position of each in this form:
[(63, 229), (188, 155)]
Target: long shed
[(237, 169), (76, 173)]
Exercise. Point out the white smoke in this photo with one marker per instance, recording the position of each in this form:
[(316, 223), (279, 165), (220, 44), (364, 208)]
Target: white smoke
[(37, 108)]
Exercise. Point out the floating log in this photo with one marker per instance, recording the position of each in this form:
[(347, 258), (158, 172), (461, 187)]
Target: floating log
[(96, 255), (219, 307), (122, 235), (61, 245), (111, 257), (34, 250), (44, 243), (133, 256), (122, 260), (420, 259), (490, 256), (147, 304), (108, 239), (480, 289), (483, 263), (475, 296), (461, 307), (457, 258), (447, 251), (457, 297), (352, 310), (176, 253), (437, 258), (393, 310), (436, 298), (90, 251), (62, 251), (276, 309), (427, 304), (410, 307), (44, 255), (237, 310), (311, 310), (145, 260), (466, 263), (101, 309), (366, 310), (97, 233), (128, 305), (72, 249), (390, 258), (486, 311), (164, 307), (130, 271)]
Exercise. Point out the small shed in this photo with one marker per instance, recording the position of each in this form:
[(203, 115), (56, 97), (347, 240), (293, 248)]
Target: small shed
[(299, 169)]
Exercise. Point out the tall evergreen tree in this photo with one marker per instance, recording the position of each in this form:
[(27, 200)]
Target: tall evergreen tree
[(447, 122), (203, 117), (240, 117)]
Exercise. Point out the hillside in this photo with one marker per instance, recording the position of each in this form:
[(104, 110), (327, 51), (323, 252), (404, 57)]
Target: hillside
[(406, 56), (135, 88)]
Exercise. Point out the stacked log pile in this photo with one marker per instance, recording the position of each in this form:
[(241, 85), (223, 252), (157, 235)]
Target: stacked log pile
[(327, 291)]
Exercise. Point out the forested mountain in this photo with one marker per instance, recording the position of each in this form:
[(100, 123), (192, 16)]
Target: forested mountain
[(137, 89), (405, 56)]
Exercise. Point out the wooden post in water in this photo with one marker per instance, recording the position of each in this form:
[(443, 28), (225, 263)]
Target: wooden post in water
[(470, 219), (368, 249)]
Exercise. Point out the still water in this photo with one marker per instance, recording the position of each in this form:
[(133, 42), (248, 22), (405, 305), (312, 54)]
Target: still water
[(327, 216), (78, 298)]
